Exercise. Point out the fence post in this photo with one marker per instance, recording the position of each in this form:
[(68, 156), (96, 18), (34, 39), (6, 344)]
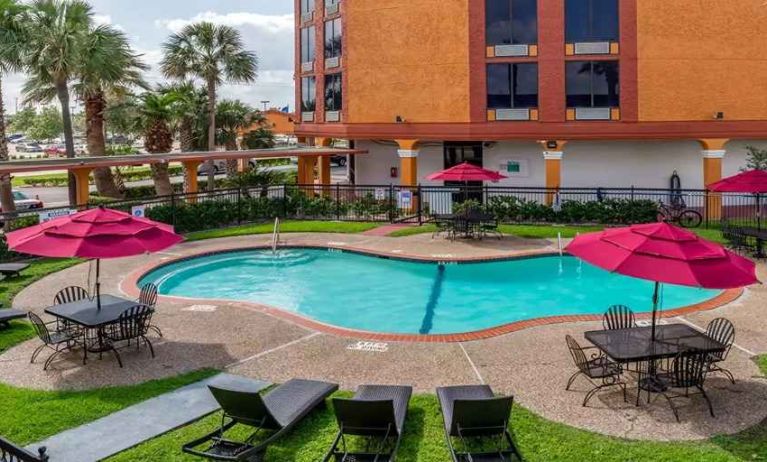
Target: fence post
[(419, 203), (173, 208), (338, 202), (632, 193), (239, 205), (284, 201), (391, 203)]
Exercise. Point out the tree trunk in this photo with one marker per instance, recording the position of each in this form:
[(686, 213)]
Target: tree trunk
[(95, 105), (231, 164), (211, 132), (62, 90), (161, 177), (6, 189)]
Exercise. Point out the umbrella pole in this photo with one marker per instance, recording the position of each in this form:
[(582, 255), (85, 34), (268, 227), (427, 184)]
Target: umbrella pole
[(98, 285), (758, 212), (655, 299)]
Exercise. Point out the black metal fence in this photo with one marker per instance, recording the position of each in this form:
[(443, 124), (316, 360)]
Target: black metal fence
[(391, 203)]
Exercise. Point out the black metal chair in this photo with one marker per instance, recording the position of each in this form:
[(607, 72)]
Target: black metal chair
[(688, 371), (597, 367), (618, 317), (721, 330), (377, 414), (56, 340), (9, 452), (479, 420), (70, 294), (148, 297), (133, 324)]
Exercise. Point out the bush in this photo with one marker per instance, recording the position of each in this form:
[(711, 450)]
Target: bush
[(608, 211)]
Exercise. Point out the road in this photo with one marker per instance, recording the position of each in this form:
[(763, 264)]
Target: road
[(58, 196)]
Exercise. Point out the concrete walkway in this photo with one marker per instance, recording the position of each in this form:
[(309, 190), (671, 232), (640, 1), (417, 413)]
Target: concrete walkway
[(134, 425)]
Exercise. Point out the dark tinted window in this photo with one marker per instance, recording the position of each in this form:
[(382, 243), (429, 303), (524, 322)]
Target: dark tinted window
[(333, 38), (307, 6), (511, 22), (333, 93), (512, 86), (593, 84), (307, 44), (308, 94), (591, 20)]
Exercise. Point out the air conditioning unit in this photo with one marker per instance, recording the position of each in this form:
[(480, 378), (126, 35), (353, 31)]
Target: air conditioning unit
[(332, 116), (512, 114), (512, 50), (592, 113), (307, 117), (592, 48), (331, 63)]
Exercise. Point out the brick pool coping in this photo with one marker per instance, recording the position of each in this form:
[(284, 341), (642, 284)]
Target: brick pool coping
[(129, 285)]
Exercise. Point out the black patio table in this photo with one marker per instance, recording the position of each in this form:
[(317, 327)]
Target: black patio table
[(467, 224), (85, 313)]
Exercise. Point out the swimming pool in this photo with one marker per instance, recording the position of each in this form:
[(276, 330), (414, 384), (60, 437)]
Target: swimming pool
[(369, 293)]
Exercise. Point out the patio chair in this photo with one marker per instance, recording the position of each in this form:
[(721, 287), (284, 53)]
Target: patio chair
[(688, 371), (277, 412), (133, 324), (443, 225), (479, 421), (9, 452), (70, 294), (56, 340), (491, 227), (8, 315), (597, 368), (618, 317), (148, 297), (376, 413), (721, 330)]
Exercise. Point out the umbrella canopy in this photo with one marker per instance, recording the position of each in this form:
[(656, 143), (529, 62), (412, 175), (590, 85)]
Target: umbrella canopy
[(466, 172), (752, 181), (96, 233), (664, 253)]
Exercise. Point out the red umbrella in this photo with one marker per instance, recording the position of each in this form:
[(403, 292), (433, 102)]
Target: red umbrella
[(664, 253), (466, 172), (752, 182), (96, 233)]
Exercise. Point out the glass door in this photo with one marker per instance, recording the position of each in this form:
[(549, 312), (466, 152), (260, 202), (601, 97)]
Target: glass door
[(456, 153)]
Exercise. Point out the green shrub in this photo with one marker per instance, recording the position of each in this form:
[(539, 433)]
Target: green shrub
[(609, 211)]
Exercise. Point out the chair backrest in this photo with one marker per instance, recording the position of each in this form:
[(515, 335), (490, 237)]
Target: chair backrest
[(721, 330), (9, 452), (70, 294), (618, 317), (481, 417), (365, 418), (40, 329), (689, 369), (579, 357), (148, 295), (246, 408), (134, 322)]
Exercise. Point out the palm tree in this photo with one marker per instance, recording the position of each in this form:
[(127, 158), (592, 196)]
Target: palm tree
[(12, 40), (232, 117), (57, 33), (215, 54), (190, 102), (156, 116), (106, 65)]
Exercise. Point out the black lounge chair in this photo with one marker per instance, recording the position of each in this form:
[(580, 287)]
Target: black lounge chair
[(13, 270), (9, 452), (6, 316), (377, 413), (278, 411), (473, 415)]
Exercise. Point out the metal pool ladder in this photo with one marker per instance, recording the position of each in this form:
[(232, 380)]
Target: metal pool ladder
[(276, 235)]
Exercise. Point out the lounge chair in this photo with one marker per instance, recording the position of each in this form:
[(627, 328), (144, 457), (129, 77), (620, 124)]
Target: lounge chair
[(6, 316), (9, 452), (278, 411), (13, 269), (376, 412), (473, 415)]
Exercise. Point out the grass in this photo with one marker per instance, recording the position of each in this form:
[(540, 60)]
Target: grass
[(32, 415), (290, 226)]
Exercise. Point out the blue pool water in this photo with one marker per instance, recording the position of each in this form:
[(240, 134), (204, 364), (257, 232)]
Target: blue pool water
[(382, 295)]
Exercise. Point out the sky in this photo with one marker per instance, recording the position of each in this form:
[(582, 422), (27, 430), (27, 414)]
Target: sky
[(266, 27)]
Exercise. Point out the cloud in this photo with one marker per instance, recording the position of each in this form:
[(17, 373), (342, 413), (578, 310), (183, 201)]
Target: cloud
[(275, 24), (106, 20)]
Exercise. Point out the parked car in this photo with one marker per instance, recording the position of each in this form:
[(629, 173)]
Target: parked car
[(56, 150), (29, 147), (338, 160), (15, 138), (24, 202)]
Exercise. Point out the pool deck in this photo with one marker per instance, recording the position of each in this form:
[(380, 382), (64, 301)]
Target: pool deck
[(532, 363)]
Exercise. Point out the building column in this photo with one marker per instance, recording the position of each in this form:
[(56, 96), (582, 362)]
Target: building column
[(323, 164), (82, 182), (713, 154), (408, 162), (190, 179), (306, 166), (553, 152)]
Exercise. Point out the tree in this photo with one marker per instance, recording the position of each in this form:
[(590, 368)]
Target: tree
[(155, 117), (756, 159), (13, 39), (232, 117), (120, 115), (48, 124), (189, 114), (57, 35), (215, 54), (260, 138), (23, 120)]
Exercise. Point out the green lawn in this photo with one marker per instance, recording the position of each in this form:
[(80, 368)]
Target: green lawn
[(289, 226)]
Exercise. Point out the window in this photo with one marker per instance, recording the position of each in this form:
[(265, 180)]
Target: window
[(593, 84), (512, 86), (307, 7), (333, 93), (307, 44), (333, 38), (591, 21), (308, 94), (510, 22)]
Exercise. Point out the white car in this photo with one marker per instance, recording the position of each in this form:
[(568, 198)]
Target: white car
[(24, 202)]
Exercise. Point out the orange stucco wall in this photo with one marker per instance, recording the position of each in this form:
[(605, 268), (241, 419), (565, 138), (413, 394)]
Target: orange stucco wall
[(699, 57), (406, 58)]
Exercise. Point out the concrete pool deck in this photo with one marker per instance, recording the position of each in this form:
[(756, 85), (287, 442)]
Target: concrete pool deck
[(533, 364)]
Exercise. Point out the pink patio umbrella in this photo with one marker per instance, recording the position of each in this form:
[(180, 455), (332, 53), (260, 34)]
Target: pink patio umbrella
[(664, 253), (750, 182), (466, 172), (94, 234)]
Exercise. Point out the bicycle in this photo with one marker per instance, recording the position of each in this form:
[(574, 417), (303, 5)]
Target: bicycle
[(680, 214)]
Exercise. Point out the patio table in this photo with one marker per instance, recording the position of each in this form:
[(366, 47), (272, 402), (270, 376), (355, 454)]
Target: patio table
[(466, 225)]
